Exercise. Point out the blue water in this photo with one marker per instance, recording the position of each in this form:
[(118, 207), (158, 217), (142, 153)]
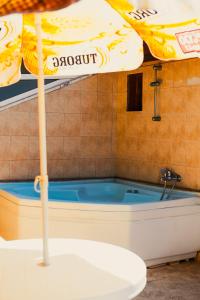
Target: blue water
[(92, 192)]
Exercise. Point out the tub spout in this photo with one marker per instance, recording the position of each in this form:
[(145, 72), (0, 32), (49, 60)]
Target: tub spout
[(169, 175)]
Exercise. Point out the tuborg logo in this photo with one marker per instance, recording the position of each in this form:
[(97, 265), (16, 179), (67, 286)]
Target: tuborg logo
[(140, 14), (84, 59)]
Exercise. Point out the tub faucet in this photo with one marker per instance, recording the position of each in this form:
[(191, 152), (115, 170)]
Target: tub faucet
[(168, 175)]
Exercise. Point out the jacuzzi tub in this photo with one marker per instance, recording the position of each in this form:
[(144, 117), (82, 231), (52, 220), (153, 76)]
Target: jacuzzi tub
[(125, 213)]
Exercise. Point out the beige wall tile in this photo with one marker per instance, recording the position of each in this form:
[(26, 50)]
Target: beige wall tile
[(148, 77), (63, 168), (88, 146), (133, 170), (55, 124), (155, 129), (192, 101), (105, 102), (88, 102), (164, 152), (134, 125), (5, 147), (55, 147), (193, 72), (166, 100), (163, 129), (119, 102), (177, 125), (33, 123), (55, 168), (148, 101), (72, 147), (105, 168), (122, 168), (149, 171), (119, 82), (131, 147), (55, 104), (120, 125), (34, 147), (89, 125), (121, 147), (72, 125), (72, 101), (192, 151), (71, 168), (19, 148), (19, 123), (87, 167), (192, 128), (190, 177), (26, 106), (19, 169), (139, 170), (180, 73), (105, 124), (5, 122), (4, 170), (34, 168), (147, 149), (114, 141), (105, 82), (166, 75), (178, 152), (89, 84), (103, 146), (34, 103)]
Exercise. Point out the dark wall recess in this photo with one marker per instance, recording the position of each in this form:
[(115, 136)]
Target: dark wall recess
[(134, 92)]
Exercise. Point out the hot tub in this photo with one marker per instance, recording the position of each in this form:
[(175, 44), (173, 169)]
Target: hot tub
[(120, 212)]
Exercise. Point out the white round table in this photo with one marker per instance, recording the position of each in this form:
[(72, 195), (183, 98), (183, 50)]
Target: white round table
[(78, 269)]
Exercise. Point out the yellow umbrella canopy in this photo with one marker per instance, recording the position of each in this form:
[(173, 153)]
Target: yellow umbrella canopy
[(84, 38), (170, 28), (98, 36), (22, 6)]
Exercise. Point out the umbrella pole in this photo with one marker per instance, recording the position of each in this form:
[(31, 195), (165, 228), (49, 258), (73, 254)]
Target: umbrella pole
[(43, 178)]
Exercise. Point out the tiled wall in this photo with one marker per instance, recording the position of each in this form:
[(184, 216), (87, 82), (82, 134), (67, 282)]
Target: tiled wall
[(144, 146), (79, 133), (90, 134)]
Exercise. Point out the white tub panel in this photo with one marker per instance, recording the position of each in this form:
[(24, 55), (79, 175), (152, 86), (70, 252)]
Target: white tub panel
[(156, 233)]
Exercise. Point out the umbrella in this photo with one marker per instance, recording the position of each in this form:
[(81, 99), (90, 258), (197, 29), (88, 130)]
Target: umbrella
[(22, 6), (85, 38), (91, 37), (81, 39)]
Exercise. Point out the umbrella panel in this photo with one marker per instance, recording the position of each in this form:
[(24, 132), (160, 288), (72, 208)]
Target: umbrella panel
[(25, 6), (86, 38), (170, 28)]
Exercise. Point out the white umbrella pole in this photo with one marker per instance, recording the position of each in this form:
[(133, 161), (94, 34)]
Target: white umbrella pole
[(43, 178)]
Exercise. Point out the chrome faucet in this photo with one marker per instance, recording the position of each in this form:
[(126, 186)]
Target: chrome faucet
[(168, 175)]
